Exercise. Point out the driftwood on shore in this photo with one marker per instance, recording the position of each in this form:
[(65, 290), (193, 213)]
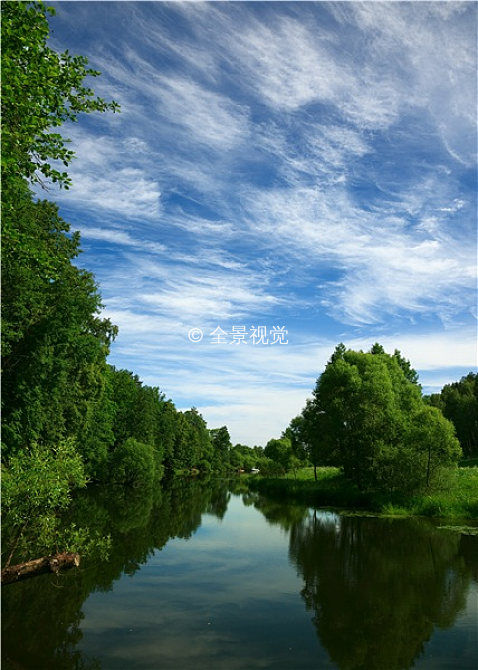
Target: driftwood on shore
[(54, 563)]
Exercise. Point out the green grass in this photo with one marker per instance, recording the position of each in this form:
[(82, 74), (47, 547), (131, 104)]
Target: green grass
[(330, 490), (458, 499), (308, 473)]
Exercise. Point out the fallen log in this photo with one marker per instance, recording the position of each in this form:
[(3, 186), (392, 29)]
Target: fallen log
[(54, 563)]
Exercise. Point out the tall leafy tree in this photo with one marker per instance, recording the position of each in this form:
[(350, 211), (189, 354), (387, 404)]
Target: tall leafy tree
[(41, 89), (201, 445), (221, 442), (280, 451), (167, 431), (185, 449), (54, 342), (308, 437), (373, 422)]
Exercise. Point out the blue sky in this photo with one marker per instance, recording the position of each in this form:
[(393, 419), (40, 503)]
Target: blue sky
[(304, 166)]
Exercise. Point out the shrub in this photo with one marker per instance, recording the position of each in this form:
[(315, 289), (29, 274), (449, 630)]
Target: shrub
[(133, 463)]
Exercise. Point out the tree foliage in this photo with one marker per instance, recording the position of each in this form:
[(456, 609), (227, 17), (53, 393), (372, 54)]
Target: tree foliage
[(54, 342), (280, 451), (133, 463), (459, 403), (41, 89), (367, 415), (37, 485), (221, 444)]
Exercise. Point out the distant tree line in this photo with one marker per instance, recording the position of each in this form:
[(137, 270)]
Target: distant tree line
[(459, 403)]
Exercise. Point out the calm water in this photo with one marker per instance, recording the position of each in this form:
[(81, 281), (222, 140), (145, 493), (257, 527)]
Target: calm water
[(207, 576)]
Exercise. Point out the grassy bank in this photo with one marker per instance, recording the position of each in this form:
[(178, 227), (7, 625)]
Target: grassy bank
[(458, 501)]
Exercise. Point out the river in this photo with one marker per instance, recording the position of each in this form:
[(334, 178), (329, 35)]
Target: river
[(208, 575)]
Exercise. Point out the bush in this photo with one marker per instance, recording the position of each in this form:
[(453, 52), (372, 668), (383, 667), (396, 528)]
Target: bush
[(133, 463), (37, 485), (270, 468)]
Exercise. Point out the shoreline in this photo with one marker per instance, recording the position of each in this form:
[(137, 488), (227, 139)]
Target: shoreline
[(332, 491)]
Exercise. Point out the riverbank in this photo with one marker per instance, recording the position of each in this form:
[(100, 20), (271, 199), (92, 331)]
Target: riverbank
[(458, 501)]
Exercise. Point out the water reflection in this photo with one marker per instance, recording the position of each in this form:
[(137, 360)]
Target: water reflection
[(375, 589), (41, 622)]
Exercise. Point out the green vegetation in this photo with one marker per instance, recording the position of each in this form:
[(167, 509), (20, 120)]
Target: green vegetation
[(376, 444), (459, 404), (367, 416), (458, 497), (385, 447), (41, 89), (67, 416), (331, 489)]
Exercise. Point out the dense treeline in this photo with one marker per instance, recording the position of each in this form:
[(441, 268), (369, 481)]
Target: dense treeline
[(459, 403), (68, 417)]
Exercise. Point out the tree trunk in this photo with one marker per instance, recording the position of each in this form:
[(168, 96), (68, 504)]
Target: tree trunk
[(54, 563)]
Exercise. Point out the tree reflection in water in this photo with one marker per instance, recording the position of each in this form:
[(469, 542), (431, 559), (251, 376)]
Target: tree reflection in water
[(377, 587), (41, 622)]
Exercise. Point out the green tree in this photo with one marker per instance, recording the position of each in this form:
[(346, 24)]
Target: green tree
[(41, 89), (125, 387), (54, 343), (459, 403), (133, 463), (167, 431), (370, 414), (221, 443), (431, 438), (35, 488), (183, 458), (410, 374), (201, 446), (309, 430), (243, 457), (279, 451)]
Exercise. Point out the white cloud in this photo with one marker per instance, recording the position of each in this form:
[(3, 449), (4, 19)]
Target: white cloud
[(387, 266), (108, 176), (120, 237), (205, 116), (126, 192), (287, 64), (430, 50), (304, 160), (196, 293)]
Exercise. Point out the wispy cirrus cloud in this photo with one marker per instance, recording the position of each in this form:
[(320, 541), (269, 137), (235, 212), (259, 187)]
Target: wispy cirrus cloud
[(386, 265), (310, 164), (119, 237), (205, 116)]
